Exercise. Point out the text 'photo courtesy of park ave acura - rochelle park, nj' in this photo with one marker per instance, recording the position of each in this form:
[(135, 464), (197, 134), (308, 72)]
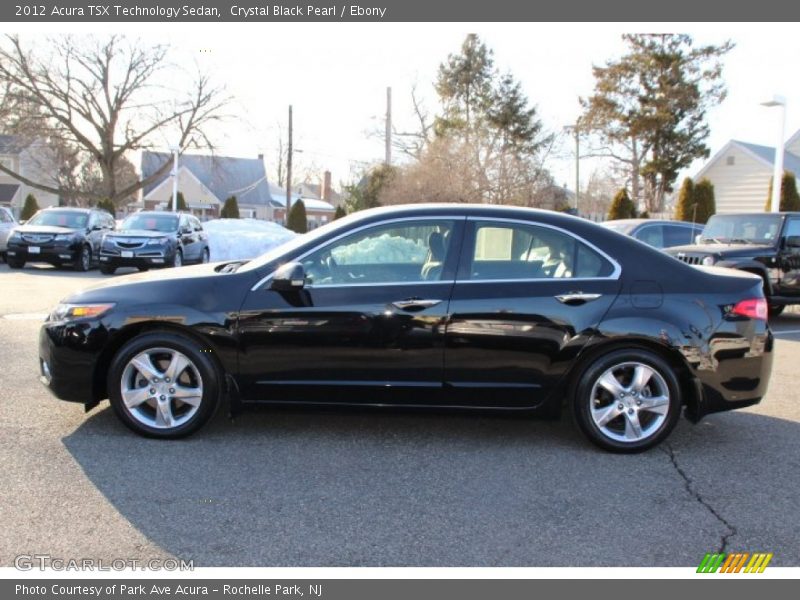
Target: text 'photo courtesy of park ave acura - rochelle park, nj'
[(361, 296)]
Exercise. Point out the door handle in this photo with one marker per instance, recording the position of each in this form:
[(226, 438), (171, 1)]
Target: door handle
[(576, 298), (415, 304)]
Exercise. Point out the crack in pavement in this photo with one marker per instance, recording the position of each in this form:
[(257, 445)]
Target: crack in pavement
[(687, 483)]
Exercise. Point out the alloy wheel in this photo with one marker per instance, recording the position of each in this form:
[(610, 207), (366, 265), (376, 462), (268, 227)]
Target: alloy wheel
[(629, 402), (161, 388)]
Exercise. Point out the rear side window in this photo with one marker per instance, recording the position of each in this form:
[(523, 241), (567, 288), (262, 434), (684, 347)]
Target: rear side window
[(680, 235), (652, 235), (518, 251)]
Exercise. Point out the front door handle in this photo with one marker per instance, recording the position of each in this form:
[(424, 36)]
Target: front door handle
[(415, 304), (576, 298)]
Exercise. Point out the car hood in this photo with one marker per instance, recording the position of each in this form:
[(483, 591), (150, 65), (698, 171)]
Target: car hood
[(47, 229), (732, 250), (139, 233)]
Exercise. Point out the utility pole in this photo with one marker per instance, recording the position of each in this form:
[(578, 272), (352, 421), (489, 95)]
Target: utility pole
[(175, 151), (289, 168), (388, 126), (576, 132), (777, 172)]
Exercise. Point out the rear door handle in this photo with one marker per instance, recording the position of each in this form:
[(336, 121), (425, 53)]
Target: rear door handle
[(576, 298), (415, 304)]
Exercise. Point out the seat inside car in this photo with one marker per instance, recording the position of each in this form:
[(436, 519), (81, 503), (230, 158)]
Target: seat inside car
[(432, 269)]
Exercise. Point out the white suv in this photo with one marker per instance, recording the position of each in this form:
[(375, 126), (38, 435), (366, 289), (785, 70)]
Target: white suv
[(7, 223)]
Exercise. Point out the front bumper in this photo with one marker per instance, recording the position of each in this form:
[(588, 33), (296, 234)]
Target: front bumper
[(49, 253), (143, 257), (68, 354)]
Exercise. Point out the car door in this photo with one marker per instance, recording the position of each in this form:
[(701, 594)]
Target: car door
[(96, 228), (202, 236), (188, 237), (527, 297), (789, 259), (369, 321)]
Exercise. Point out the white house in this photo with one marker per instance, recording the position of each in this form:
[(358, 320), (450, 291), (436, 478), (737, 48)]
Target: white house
[(741, 173), (28, 160)]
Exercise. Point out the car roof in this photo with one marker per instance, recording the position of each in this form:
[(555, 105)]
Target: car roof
[(649, 221)]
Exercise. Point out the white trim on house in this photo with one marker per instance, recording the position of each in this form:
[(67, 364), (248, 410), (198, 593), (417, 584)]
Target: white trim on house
[(726, 148)]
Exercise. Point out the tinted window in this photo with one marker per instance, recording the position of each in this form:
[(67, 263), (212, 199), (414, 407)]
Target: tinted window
[(754, 228), (680, 235), (652, 235), (792, 228), (60, 218), (5, 217), (383, 254), (517, 251)]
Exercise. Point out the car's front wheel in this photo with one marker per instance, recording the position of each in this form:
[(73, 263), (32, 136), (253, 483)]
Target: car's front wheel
[(15, 263), (627, 400), (83, 261), (163, 385)]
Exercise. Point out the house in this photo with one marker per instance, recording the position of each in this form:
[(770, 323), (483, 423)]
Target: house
[(318, 211), (206, 181), (30, 161), (741, 173)]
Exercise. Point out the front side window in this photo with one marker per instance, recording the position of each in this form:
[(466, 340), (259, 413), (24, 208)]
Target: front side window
[(680, 235), (652, 235), (393, 253), (518, 251)]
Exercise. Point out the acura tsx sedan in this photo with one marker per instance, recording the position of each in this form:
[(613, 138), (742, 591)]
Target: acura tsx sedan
[(445, 306)]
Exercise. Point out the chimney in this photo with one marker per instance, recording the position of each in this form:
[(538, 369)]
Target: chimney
[(326, 186), (261, 157)]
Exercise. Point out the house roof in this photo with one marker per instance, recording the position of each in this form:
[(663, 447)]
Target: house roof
[(7, 191), (224, 176), (764, 154)]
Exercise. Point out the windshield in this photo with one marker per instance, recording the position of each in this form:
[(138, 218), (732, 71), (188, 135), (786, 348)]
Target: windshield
[(60, 218), (164, 223), (742, 229)]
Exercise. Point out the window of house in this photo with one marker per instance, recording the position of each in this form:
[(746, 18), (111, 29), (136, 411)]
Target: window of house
[(730, 160)]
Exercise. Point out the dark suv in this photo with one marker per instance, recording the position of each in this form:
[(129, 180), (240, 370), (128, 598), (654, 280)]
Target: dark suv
[(154, 239), (767, 244), (60, 236)]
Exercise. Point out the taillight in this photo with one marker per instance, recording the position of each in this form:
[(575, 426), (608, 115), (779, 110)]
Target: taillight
[(754, 308)]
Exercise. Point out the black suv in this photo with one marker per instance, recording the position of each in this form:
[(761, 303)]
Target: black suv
[(60, 236), (149, 239), (767, 244)]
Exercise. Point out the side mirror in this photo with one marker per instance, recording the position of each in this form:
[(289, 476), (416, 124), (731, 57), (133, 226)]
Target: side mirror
[(697, 238), (793, 241), (289, 277)]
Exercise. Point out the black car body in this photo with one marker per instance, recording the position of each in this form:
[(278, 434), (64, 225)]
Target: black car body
[(60, 236), (766, 244), (152, 239), (657, 233), (428, 306)]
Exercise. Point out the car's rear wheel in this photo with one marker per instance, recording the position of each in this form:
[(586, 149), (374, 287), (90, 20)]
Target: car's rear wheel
[(15, 263), (163, 385), (627, 400), (83, 262), (206, 256)]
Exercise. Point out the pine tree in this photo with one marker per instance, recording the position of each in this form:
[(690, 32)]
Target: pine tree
[(230, 210), (704, 197), (298, 222), (622, 206), (684, 211), (340, 212), (30, 207), (108, 206), (181, 203), (790, 200)]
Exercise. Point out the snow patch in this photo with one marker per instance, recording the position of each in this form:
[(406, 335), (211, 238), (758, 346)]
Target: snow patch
[(233, 239), (382, 249)]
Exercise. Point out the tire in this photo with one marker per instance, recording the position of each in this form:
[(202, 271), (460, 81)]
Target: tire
[(604, 418), (15, 263), (107, 269), (206, 256), (163, 414), (142, 269), (3, 257), (84, 260), (177, 259), (776, 309)]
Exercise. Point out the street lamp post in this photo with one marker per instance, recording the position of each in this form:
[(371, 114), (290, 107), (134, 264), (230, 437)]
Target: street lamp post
[(777, 174), (175, 150), (573, 129)]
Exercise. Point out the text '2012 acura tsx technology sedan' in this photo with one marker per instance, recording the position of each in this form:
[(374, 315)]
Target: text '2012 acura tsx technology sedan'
[(460, 306)]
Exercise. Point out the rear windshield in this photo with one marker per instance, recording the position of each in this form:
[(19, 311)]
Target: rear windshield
[(60, 218), (165, 223)]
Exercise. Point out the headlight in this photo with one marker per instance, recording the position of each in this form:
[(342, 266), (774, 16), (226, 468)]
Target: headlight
[(15, 236), (708, 261), (162, 241), (64, 237), (64, 312)]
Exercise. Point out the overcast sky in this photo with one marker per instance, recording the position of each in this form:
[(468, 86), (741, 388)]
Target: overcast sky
[(335, 76)]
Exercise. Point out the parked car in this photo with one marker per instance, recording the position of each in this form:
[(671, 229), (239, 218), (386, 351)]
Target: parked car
[(60, 236), (460, 306), (154, 239), (655, 233), (7, 224), (767, 244)]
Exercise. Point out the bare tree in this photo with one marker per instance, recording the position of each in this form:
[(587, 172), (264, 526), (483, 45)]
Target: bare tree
[(94, 101)]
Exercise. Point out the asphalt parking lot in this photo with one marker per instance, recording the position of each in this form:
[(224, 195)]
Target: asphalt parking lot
[(362, 488)]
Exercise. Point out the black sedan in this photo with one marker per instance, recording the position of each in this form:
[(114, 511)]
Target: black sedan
[(656, 233), (149, 239), (468, 307), (60, 236)]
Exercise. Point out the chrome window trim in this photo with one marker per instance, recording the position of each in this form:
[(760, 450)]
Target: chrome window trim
[(263, 280), (615, 274)]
